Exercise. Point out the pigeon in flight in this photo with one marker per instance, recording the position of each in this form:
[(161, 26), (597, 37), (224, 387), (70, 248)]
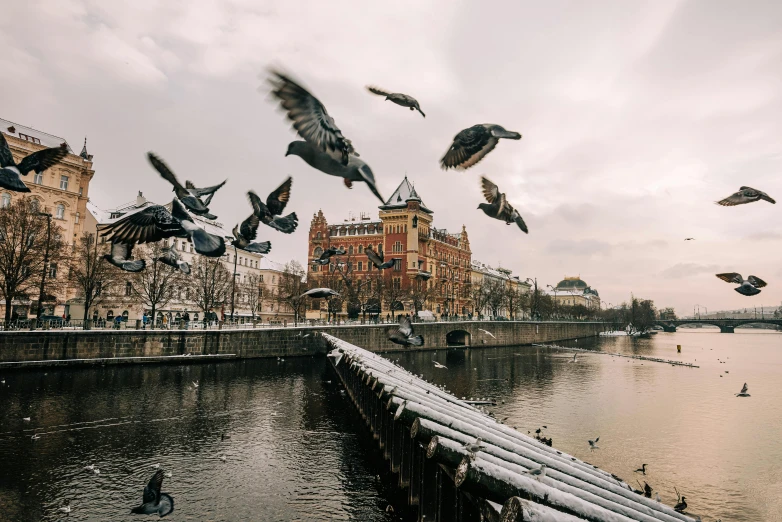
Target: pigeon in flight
[(748, 286), (689, 239), (498, 206), (310, 118), (148, 225), (400, 99), (120, 257), (487, 333), (378, 259), (319, 293), (10, 171), (270, 213), (471, 145), (354, 170), (743, 392), (206, 244), (538, 473), (246, 232), (438, 365), (593, 444), (642, 469), (743, 196), (189, 195), (327, 254), (403, 334), (170, 257), (153, 501)]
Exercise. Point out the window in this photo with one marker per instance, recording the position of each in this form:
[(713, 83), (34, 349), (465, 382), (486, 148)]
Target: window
[(317, 252), (350, 250), (360, 266), (77, 217), (360, 249), (60, 212), (317, 236), (110, 315), (53, 270), (397, 246), (29, 138), (128, 289), (64, 182), (415, 221), (6, 200), (38, 178), (397, 265), (261, 278), (397, 283)]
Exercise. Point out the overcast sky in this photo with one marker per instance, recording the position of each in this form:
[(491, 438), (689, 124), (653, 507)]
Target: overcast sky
[(636, 117)]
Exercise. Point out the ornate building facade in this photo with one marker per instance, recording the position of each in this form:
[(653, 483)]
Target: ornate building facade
[(61, 191), (431, 260), (573, 291)]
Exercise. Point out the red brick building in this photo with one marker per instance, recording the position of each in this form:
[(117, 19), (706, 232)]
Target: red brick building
[(430, 257)]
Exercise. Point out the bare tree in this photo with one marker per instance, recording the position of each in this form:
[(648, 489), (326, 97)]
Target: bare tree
[(156, 284), (290, 289), (211, 283), (478, 298), (27, 249), (251, 293), (394, 295), (90, 274), (515, 300), (495, 295), (421, 292)]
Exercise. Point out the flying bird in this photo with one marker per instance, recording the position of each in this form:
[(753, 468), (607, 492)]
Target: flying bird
[(327, 254), (189, 195), (354, 170), (246, 232), (120, 257), (270, 213), (748, 286), (438, 365), (743, 196), (378, 259), (575, 358), (320, 293), (148, 225), (593, 444), (743, 392), (400, 99), (403, 334), (153, 501), (498, 206), (66, 507), (195, 385), (689, 239), (471, 145), (538, 473), (170, 256), (310, 118), (642, 469), (487, 333), (10, 171)]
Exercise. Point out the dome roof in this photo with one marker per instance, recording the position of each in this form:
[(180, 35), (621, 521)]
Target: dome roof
[(571, 283)]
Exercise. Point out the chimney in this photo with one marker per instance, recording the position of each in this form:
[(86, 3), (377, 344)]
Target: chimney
[(140, 199)]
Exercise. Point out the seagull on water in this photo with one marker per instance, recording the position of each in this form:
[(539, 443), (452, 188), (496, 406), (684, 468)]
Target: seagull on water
[(400, 99), (438, 365), (748, 286), (538, 473), (593, 444), (153, 501), (471, 145), (66, 507), (642, 469), (575, 358), (487, 333), (223, 458), (743, 392)]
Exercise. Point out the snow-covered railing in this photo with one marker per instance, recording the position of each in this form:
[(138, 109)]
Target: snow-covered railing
[(422, 431)]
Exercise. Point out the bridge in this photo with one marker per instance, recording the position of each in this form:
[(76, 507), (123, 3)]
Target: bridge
[(725, 325)]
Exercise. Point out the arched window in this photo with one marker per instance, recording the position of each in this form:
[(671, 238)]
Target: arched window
[(415, 221), (6, 200), (60, 211), (317, 236), (350, 250), (110, 315), (317, 252), (360, 249), (125, 315)]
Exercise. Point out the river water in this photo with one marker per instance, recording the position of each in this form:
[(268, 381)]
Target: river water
[(297, 450)]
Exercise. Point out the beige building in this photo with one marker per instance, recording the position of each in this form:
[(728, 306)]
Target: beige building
[(61, 191), (248, 264), (481, 273), (572, 291)]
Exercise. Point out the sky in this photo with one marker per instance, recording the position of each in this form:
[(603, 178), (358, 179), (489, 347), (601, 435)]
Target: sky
[(636, 117)]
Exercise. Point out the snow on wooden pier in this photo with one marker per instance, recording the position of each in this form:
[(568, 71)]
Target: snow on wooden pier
[(422, 431)]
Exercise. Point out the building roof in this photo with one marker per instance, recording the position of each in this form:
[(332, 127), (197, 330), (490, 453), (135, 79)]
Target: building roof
[(47, 140), (404, 192), (572, 282), (268, 264)]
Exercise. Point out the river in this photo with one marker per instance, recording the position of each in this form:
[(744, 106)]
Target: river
[(297, 450)]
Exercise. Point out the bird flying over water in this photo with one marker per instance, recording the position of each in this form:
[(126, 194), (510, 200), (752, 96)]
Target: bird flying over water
[(400, 99), (642, 469), (355, 169), (748, 286), (39, 161), (471, 145), (269, 213), (438, 365), (378, 259), (153, 501), (743, 196), (319, 293), (170, 256), (120, 257), (593, 444), (403, 334), (498, 206), (189, 195), (487, 333), (743, 392), (310, 118)]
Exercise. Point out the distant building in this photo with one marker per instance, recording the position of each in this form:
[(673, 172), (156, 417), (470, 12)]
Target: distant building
[(481, 273), (668, 314), (247, 264), (61, 191), (427, 256), (572, 291)]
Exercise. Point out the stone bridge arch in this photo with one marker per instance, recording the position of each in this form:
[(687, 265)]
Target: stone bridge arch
[(458, 338)]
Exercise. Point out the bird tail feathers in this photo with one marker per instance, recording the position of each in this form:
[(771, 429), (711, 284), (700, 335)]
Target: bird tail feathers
[(9, 180), (208, 244), (259, 248), (285, 224), (136, 265), (418, 340)]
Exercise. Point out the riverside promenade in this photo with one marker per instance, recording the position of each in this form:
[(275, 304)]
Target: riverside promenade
[(84, 347)]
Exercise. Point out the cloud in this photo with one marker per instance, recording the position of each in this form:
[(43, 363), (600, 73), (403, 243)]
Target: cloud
[(579, 247), (682, 270)]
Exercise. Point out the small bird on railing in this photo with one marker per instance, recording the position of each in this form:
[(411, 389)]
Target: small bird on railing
[(593, 444), (642, 469), (473, 447)]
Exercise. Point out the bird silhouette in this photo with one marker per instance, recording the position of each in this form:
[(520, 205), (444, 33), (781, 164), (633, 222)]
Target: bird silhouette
[(498, 206), (189, 195), (748, 287), (378, 259), (39, 161), (471, 145), (120, 257), (403, 334), (270, 212), (400, 99), (743, 196)]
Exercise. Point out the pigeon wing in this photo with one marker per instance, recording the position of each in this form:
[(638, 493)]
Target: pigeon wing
[(259, 248), (259, 208), (756, 281), (373, 256), (310, 118), (152, 490), (166, 173), (6, 158), (490, 191), (516, 217), (204, 191), (379, 92), (151, 224), (737, 198), (279, 198), (405, 327), (731, 277), (42, 160), (249, 227), (369, 179), (468, 148)]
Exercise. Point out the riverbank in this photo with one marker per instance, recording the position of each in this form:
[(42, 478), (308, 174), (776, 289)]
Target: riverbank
[(85, 347)]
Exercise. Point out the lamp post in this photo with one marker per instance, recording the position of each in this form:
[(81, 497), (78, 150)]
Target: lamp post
[(452, 279), (233, 287), (45, 260), (535, 313)]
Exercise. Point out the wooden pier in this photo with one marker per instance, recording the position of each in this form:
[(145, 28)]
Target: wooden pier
[(422, 432)]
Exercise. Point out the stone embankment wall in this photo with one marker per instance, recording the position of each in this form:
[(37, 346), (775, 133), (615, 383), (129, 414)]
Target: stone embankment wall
[(68, 346)]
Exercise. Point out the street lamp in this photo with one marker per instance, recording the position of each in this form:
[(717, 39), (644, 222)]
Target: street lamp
[(45, 260), (233, 287)]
